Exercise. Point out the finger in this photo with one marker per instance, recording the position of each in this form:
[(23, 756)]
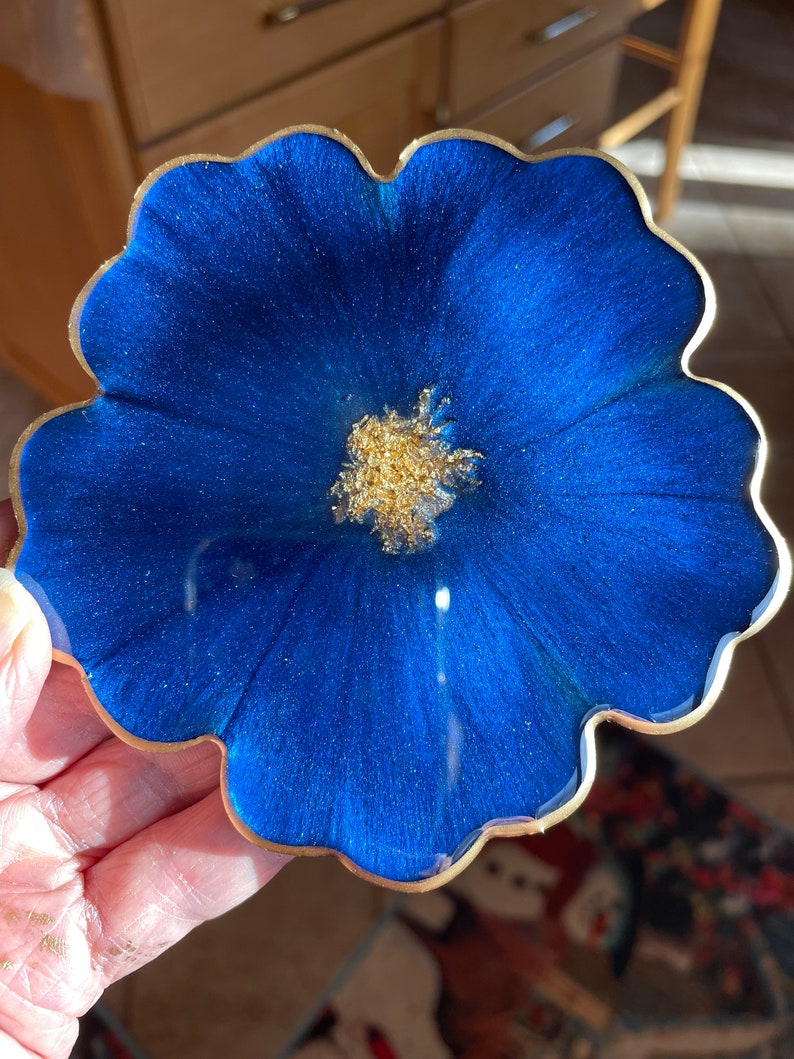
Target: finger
[(25, 658), (57, 1043), (186, 869), (38, 743), (61, 730), (8, 530), (118, 790)]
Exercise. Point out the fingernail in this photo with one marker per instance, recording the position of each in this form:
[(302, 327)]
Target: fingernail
[(17, 610)]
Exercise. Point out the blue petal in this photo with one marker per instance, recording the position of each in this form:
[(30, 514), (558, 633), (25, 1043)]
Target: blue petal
[(549, 294), (637, 550), (251, 284), (140, 497), (472, 270), (391, 730)]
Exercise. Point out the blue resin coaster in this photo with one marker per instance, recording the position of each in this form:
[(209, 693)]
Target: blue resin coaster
[(396, 488)]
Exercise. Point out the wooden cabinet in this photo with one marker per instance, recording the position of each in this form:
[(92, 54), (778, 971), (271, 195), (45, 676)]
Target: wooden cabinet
[(382, 97), (497, 45), (187, 59), (215, 76), (566, 109), (64, 196)]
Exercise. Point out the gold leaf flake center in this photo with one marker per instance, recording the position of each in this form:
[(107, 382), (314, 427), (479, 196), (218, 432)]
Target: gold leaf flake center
[(401, 473)]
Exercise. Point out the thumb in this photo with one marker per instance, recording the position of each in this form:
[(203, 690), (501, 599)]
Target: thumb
[(25, 657)]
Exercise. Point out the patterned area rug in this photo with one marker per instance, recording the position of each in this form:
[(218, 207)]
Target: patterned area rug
[(657, 923)]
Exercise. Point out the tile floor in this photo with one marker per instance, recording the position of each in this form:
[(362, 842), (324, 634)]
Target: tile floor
[(240, 984)]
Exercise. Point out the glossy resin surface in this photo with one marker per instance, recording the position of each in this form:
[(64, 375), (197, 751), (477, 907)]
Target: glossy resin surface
[(601, 557)]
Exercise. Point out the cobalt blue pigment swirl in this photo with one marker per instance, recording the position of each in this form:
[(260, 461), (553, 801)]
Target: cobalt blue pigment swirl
[(392, 486)]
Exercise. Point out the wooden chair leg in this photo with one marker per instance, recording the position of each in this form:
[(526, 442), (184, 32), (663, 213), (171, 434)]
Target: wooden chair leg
[(697, 36)]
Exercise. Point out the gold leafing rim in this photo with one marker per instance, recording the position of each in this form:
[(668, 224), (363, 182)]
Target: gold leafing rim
[(587, 752)]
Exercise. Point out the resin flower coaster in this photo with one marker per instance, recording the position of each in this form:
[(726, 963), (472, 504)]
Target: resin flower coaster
[(396, 487)]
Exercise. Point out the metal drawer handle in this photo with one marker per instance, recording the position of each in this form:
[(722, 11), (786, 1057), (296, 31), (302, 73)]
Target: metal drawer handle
[(548, 132), (563, 25), (282, 15)]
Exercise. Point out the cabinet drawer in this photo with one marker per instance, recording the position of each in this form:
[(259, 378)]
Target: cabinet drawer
[(498, 43), (566, 110), (183, 60), (382, 98)]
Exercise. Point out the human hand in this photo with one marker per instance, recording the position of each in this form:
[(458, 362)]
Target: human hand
[(108, 854)]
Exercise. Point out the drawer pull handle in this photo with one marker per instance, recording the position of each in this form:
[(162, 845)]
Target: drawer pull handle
[(549, 132), (563, 25), (282, 15)]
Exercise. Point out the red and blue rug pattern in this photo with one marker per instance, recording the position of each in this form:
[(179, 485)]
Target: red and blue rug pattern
[(656, 923)]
